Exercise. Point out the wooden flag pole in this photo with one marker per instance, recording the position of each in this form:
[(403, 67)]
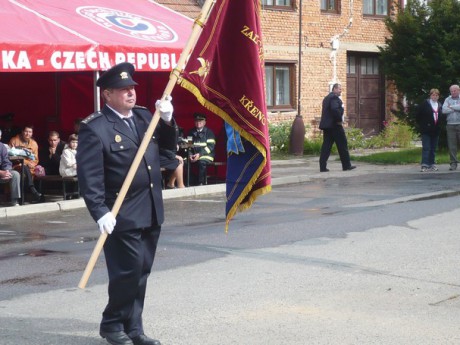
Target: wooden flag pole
[(174, 76)]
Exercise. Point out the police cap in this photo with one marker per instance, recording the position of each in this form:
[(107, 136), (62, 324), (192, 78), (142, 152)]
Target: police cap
[(117, 77), (199, 116)]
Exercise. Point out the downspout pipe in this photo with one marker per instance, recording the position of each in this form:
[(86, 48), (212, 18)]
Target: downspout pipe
[(297, 137)]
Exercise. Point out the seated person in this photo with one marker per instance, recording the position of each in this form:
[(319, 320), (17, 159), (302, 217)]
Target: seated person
[(68, 162), (174, 165), (68, 166), (51, 156), (204, 142), (8, 175), (9, 129), (24, 141)]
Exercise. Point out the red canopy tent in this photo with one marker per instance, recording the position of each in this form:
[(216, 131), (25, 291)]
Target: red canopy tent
[(51, 51)]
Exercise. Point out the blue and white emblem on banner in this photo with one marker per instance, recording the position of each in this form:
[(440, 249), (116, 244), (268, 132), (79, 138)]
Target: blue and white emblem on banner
[(129, 24)]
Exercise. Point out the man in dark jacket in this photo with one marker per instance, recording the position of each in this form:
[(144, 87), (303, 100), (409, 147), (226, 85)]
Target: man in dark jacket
[(108, 143), (331, 124), (50, 156)]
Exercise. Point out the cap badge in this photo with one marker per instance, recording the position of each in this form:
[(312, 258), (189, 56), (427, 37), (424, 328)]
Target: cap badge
[(124, 75)]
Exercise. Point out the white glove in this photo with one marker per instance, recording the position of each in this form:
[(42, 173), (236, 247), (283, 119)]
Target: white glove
[(165, 107), (107, 223)]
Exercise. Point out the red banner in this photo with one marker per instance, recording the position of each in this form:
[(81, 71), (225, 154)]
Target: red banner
[(226, 74), (85, 35)]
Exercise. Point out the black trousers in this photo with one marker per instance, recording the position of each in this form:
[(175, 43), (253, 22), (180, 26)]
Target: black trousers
[(28, 178), (202, 171), (330, 136), (129, 256)]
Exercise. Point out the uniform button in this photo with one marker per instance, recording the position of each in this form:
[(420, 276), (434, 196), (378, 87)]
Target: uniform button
[(149, 167), (151, 185), (122, 147)]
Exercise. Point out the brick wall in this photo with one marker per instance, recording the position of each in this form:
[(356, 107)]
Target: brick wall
[(188, 8), (281, 41)]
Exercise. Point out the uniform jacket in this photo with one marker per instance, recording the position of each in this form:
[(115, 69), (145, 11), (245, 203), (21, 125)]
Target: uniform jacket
[(425, 118), (5, 163), (204, 143), (106, 149), (332, 111)]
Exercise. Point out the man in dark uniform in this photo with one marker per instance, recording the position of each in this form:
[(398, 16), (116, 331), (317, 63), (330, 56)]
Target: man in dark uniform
[(204, 142), (331, 124), (108, 143)]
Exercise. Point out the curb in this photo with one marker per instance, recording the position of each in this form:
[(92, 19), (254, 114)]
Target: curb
[(65, 205), (310, 175)]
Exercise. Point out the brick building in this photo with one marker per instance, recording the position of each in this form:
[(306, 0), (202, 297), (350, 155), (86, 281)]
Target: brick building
[(338, 43)]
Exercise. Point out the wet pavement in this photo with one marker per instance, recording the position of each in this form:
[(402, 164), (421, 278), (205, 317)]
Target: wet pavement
[(374, 268), (284, 172)]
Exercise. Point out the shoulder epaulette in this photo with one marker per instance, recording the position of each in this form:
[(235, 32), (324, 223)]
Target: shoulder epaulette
[(91, 117), (140, 107)]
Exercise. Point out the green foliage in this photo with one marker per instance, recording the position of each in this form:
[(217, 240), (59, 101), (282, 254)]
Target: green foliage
[(375, 142), (407, 156), (395, 134), (392, 157), (422, 51), (279, 136), (355, 138), (313, 146)]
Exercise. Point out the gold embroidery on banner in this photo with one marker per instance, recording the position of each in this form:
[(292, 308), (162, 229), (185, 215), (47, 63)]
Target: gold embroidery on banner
[(204, 69), (248, 104), (251, 35), (254, 37)]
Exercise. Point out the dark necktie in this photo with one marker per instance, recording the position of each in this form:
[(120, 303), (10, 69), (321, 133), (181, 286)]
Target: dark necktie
[(132, 126)]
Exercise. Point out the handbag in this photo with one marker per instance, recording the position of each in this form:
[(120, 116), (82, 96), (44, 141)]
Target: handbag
[(39, 171)]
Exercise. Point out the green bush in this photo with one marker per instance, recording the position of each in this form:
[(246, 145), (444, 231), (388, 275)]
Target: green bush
[(312, 146), (355, 138), (395, 134), (375, 142), (279, 136), (398, 134)]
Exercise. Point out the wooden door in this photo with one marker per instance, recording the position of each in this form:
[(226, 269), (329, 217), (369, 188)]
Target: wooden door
[(365, 93)]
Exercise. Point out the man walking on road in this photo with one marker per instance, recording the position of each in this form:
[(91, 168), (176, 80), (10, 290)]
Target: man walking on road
[(333, 132), (108, 143)]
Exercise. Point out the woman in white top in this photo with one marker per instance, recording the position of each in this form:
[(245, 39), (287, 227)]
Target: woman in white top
[(428, 118), (68, 165)]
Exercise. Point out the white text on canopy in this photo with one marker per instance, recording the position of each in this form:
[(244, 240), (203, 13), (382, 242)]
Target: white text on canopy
[(84, 60)]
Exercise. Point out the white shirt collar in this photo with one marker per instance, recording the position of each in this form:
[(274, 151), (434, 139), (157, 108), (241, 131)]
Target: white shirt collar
[(121, 115)]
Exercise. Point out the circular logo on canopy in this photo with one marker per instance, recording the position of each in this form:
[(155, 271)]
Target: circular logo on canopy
[(129, 24)]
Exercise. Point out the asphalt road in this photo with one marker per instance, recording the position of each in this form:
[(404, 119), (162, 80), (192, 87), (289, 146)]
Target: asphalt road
[(368, 259)]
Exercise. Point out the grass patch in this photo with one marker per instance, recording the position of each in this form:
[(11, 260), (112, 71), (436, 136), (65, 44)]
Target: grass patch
[(409, 156)]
